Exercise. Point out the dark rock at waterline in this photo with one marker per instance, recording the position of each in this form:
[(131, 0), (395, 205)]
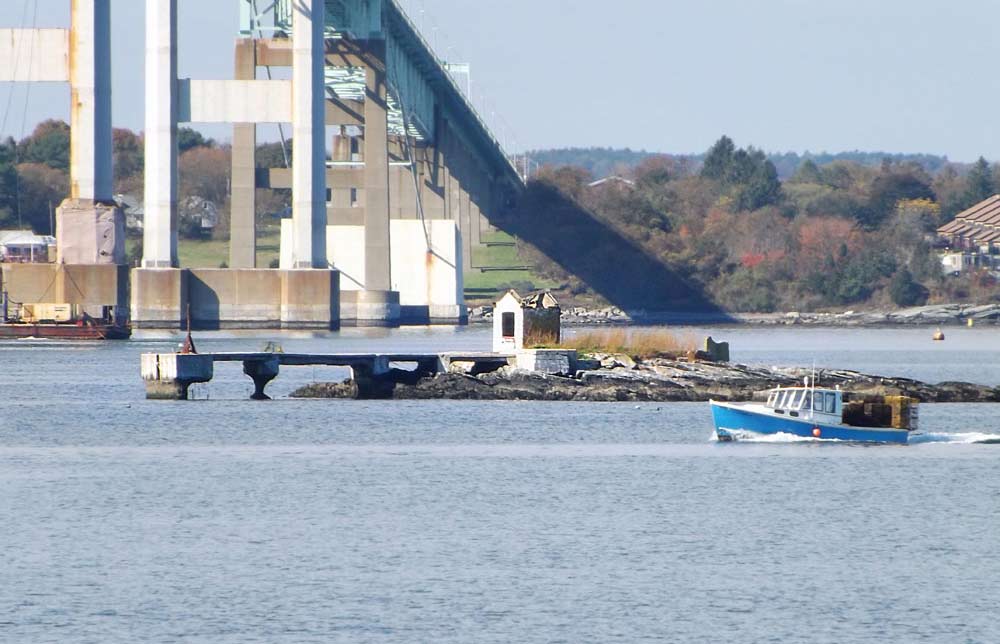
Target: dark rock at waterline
[(658, 380)]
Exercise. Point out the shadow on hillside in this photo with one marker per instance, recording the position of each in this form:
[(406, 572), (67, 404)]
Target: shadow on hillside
[(613, 266)]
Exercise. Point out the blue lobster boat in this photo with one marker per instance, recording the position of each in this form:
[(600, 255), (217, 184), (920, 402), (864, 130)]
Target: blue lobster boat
[(814, 413)]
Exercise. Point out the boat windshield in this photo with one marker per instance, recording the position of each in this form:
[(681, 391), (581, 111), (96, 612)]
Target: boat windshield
[(822, 401)]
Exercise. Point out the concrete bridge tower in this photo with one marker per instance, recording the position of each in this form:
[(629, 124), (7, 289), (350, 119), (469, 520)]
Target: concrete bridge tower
[(305, 294), (90, 228)]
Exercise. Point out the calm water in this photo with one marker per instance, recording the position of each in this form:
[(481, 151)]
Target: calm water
[(221, 520)]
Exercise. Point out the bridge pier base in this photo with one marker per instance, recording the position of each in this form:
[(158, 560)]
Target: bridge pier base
[(262, 372), (169, 376), (378, 308)]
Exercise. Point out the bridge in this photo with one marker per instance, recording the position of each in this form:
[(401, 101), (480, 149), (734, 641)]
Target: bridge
[(380, 229)]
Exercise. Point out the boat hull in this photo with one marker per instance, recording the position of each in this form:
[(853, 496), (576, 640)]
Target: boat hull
[(730, 420), (65, 331)]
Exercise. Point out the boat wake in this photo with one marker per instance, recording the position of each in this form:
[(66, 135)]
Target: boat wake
[(961, 438), (966, 438), (752, 437)]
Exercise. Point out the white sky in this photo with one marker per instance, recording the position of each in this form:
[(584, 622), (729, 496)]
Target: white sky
[(663, 75)]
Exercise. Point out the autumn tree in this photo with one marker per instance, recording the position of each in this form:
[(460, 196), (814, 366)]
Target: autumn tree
[(204, 172), (48, 144), (128, 153), (892, 185), (41, 189)]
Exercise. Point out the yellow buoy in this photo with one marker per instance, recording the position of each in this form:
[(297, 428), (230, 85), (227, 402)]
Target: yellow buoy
[(970, 323), (938, 335)]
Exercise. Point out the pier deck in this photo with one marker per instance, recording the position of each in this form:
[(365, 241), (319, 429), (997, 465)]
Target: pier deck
[(168, 376)]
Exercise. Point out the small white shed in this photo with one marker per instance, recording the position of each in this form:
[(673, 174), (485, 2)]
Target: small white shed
[(518, 321)]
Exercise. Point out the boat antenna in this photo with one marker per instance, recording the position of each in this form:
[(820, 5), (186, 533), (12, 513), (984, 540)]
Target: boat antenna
[(812, 402)]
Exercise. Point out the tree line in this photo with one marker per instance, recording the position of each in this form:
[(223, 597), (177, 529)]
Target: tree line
[(602, 162), (34, 175), (831, 235)]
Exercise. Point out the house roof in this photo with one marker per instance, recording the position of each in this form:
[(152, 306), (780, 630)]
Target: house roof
[(537, 300), (24, 238), (131, 204), (978, 222), (612, 179), (540, 300), (985, 235), (984, 212), (951, 226)]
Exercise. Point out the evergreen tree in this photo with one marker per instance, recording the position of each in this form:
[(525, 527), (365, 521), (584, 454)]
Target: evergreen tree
[(904, 291), (719, 160), (979, 183), (8, 184), (188, 139), (762, 188), (808, 172)]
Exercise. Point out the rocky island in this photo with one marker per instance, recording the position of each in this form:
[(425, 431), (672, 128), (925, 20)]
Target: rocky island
[(616, 378)]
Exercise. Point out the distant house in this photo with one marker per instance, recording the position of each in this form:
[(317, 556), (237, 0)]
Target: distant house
[(972, 239), (199, 216), (613, 181), (134, 210), (522, 322), (25, 247)]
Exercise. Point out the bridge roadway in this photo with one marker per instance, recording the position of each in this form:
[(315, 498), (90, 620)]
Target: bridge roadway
[(168, 376)]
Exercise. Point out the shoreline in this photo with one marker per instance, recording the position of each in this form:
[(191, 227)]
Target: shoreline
[(622, 379), (931, 315)]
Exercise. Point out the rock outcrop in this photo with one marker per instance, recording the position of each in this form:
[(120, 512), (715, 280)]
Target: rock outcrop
[(658, 380)]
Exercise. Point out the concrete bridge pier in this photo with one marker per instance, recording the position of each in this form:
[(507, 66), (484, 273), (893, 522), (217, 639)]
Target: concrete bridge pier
[(370, 385), (169, 376), (262, 372), (378, 304)]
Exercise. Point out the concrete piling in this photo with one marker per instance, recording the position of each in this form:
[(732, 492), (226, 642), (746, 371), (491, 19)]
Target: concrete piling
[(262, 372)]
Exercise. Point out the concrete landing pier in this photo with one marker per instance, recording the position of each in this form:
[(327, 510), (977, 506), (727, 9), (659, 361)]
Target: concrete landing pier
[(169, 376)]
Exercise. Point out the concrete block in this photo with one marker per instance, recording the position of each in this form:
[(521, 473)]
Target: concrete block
[(429, 282), (51, 62), (310, 299), (346, 248), (235, 298), (555, 362), (90, 233), (95, 285), (91, 285), (30, 283), (159, 296), (377, 308), (169, 375), (348, 307)]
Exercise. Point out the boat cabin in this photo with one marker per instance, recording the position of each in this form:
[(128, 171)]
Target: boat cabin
[(806, 401)]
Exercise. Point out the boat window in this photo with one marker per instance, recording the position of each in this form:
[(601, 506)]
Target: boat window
[(795, 399), (772, 398), (818, 401), (806, 401), (831, 403), (779, 402)]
